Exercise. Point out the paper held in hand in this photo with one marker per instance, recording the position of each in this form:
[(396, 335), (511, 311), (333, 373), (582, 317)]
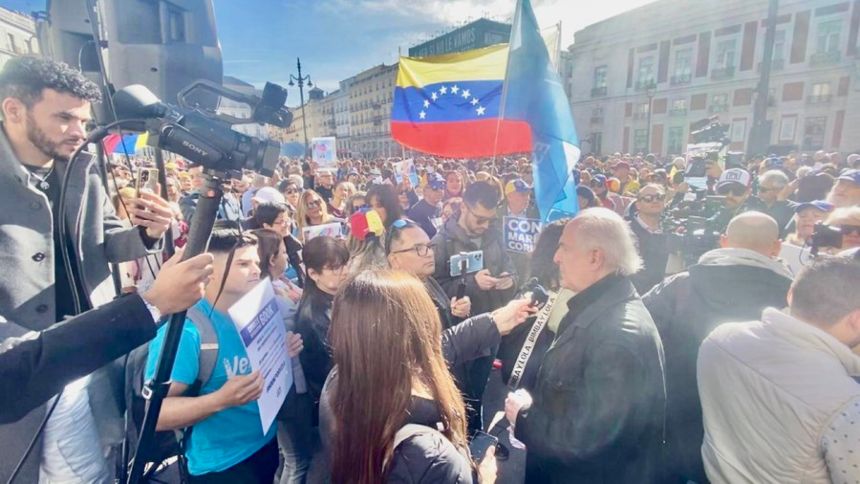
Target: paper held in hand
[(261, 328)]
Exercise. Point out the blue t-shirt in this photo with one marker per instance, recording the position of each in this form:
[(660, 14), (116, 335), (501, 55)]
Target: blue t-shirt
[(230, 436)]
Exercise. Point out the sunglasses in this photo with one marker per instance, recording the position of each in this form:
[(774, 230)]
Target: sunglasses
[(314, 203), (734, 189), (290, 191), (849, 229), (652, 198)]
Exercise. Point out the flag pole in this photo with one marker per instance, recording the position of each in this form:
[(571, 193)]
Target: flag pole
[(503, 101)]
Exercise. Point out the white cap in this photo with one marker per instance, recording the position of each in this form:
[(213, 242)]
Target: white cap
[(735, 175), (269, 195)]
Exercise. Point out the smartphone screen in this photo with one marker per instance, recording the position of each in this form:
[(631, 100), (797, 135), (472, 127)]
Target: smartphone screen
[(480, 443), (147, 180)]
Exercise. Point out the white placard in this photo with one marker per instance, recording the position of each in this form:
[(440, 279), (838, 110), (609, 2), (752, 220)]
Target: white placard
[(324, 151), (262, 331)]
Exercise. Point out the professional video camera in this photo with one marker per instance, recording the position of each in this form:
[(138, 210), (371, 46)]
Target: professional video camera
[(710, 130), (689, 226), (205, 137), (824, 236)]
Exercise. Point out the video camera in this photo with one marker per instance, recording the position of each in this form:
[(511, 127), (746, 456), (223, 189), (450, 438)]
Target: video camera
[(205, 137), (824, 236), (690, 226)]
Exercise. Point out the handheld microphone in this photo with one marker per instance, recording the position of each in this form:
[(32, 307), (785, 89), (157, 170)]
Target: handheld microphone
[(539, 295)]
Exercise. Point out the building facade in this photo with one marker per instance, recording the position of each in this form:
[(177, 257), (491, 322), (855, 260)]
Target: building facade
[(17, 35), (370, 99), (474, 35), (638, 80)]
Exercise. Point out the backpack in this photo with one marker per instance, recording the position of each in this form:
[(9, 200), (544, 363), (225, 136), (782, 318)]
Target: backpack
[(170, 443)]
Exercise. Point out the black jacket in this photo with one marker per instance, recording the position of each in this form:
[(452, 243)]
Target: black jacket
[(686, 308), (654, 250), (451, 240), (34, 366), (423, 214), (599, 404), (312, 322)]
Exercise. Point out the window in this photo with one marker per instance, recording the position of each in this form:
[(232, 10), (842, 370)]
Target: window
[(679, 106), (779, 46), (600, 76), (676, 140), (828, 36), (597, 143), (640, 111), (683, 66), (739, 130), (813, 133), (725, 58), (640, 140), (646, 71), (175, 25), (719, 103), (820, 93), (13, 46)]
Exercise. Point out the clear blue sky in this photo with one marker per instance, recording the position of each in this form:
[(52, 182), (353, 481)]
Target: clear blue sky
[(260, 39)]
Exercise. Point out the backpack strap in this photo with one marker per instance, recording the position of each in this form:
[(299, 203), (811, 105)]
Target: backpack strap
[(208, 356), (405, 432)]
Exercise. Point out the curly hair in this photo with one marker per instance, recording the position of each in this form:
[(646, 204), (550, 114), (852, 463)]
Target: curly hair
[(25, 78)]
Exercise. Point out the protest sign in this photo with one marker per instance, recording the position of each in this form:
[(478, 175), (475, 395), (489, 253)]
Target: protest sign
[(324, 151), (262, 331), (334, 229), (521, 234), (406, 168)]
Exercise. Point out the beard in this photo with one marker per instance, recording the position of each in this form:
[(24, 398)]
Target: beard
[(41, 141)]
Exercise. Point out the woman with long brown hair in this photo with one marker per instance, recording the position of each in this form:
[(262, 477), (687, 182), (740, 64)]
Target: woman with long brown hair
[(387, 346)]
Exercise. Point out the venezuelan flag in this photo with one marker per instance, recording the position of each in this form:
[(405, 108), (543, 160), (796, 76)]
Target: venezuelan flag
[(449, 105)]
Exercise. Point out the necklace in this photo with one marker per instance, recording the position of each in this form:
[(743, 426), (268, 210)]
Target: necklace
[(43, 180)]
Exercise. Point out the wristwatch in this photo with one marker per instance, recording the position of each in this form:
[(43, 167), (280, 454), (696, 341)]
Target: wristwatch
[(156, 314)]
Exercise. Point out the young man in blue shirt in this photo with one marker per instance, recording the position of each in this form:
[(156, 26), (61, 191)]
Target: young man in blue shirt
[(226, 443)]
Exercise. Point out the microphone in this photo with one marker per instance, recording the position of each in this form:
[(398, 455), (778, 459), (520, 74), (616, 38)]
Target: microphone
[(137, 101), (539, 294)]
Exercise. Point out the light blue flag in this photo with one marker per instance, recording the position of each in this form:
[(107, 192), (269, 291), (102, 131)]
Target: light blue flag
[(533, 93)]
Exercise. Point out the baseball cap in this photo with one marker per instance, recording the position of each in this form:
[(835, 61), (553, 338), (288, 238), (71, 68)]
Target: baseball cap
[(821, 205), (269, 195), (518, 185), (598, 180), (850, 175), (436, 181), (852, 160), (734, 175)]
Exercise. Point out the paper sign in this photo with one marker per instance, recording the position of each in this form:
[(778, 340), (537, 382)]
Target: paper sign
[(331, 230), (796, 258), (324, 151), (262, 331), (406, 168), (521, 234)]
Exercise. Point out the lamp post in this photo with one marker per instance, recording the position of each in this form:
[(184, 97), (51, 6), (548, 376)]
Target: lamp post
[(301, 82), (649, 91)]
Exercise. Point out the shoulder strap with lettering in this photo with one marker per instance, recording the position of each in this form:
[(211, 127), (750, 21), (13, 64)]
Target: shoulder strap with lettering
[(208, 357), (529, 344)]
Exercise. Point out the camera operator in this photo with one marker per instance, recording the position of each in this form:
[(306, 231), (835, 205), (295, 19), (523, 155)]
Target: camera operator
[(846, 191), (734, 185), (45, 107), (36, 365), (771, 184), (733, 283), (779, 394)]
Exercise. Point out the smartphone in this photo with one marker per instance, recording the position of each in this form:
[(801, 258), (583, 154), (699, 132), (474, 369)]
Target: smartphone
[(466, 263), (147, 180), (481, 441)]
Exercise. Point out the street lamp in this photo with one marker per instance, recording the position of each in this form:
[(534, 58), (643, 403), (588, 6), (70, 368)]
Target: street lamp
[(649, 91), (301, 82)]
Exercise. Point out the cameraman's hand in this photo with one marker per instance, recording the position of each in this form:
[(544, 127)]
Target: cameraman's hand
[(179, 285), (461, 308), (484, 280), (240, 389), (488, 469), (512, 315)]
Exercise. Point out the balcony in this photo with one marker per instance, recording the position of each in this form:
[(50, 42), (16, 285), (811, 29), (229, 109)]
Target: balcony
[(678, 112), (775, 65), (597, 120), (681, 79), (598, 91), (722, 73), (820, 59), (640, 116), (819, 99), (646, 84), (718, 108)]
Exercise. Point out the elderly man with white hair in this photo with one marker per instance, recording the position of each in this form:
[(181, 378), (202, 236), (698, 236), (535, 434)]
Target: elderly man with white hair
[(599, 403)]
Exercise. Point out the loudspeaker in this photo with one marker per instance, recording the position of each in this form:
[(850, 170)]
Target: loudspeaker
[(164, 45)]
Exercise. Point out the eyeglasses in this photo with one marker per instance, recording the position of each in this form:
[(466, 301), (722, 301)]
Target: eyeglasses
[(735, 189), (849, 229), (652, 198), (479, 219), (421, 249)]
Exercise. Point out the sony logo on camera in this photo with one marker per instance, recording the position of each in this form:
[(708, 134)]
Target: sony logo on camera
[(191, 146)]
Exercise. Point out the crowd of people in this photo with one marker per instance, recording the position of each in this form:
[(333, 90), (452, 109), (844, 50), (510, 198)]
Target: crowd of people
[(677, 342)]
